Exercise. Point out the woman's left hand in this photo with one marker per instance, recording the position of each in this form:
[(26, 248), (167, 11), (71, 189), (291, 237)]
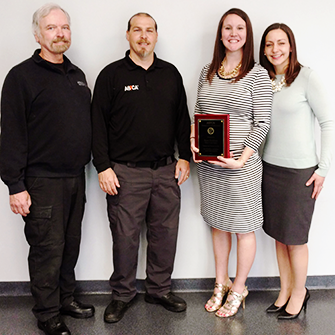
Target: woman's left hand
[(229, 163), (318, 184)]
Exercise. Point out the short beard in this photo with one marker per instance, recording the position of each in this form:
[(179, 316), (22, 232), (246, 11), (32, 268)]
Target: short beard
[(142, 53), (59, 49)]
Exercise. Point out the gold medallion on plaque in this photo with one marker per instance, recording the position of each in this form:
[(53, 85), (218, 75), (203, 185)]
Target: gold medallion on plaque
[(210, 131)]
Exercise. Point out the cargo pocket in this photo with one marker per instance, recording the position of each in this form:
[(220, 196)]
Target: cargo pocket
[(37, 225)]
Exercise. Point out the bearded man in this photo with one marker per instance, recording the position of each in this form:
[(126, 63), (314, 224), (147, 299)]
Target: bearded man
[(45, 145), (139, 112)]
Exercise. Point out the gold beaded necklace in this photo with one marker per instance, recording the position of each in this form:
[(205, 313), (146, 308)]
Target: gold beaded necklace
[(231, 74), (276, 87)]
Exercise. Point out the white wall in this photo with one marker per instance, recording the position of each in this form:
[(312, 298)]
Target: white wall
[(187, 31)]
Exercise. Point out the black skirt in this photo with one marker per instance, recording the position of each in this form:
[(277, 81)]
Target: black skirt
[(287, 203)]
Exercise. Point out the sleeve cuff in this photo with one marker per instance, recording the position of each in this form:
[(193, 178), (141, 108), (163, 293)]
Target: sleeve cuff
[(16, 188)]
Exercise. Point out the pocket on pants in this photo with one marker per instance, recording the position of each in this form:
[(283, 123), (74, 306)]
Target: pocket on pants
[(37, 226), (112, 199)]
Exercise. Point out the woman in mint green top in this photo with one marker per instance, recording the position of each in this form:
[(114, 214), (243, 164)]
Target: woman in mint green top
[(293, 175)]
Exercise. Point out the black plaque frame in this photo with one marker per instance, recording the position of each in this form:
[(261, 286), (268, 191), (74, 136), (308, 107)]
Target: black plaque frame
[(211, 136)]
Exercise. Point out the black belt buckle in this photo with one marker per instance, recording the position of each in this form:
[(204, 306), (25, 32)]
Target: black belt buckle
[(154, 165)]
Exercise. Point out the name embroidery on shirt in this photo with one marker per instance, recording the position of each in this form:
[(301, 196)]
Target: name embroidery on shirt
[(81, 83), (132, 88)]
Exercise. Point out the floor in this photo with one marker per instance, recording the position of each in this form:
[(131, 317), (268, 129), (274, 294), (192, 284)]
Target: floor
[(143, 318)]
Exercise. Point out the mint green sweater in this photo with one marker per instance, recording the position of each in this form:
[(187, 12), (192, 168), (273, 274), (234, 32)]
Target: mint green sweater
[(291, 139)]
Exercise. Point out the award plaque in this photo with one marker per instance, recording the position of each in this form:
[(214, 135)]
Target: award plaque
[(211, 136)]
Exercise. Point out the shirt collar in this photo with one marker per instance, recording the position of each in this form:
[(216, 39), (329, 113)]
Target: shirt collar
[(132, 66), (38, 59)]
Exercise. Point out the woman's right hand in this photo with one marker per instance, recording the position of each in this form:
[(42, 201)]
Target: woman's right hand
[(318, 184), (194, 150)]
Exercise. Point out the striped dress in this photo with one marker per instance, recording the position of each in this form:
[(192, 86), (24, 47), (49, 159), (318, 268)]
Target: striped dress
[(231, 199)]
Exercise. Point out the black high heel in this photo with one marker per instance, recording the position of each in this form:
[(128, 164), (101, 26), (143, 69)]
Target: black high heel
[(275, 309), (287, 316)]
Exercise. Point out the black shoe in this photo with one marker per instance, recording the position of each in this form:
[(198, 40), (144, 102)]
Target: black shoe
[(78, 310), (169, 301), (54, 326), (275, 309), (116, 310), (287, 316)]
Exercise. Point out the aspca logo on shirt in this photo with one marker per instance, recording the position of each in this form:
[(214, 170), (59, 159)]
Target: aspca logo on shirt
[(132, 88)]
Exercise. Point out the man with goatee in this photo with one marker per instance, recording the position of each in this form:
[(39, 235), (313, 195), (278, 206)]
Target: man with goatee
[(139, 112)]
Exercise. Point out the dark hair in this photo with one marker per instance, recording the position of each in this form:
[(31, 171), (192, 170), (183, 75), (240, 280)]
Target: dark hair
[(219, 54), (293, 67), (141, 14)]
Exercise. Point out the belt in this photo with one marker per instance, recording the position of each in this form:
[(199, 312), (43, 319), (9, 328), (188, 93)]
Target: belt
[(154, 165)]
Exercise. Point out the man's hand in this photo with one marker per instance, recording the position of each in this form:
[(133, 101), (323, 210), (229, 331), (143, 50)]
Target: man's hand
[(182, 168), (20, 203), (108, 181)]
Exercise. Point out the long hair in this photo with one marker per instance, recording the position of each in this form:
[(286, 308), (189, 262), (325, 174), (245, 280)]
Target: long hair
[(294, 66), (220, 50)]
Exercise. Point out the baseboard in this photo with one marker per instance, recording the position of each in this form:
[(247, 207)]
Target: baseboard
[(178, 285)]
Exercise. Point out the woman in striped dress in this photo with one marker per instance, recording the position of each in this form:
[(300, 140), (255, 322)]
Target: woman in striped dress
[(230, 188)]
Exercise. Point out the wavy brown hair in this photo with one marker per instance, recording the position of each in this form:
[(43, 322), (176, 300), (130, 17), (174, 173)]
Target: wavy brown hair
[(219, 54), (294, 66)]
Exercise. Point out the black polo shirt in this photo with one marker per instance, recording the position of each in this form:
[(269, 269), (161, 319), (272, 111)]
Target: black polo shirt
[(45, 122), (138, 115)]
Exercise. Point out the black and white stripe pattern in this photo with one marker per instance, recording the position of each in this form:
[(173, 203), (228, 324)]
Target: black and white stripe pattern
[(231, 199)]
